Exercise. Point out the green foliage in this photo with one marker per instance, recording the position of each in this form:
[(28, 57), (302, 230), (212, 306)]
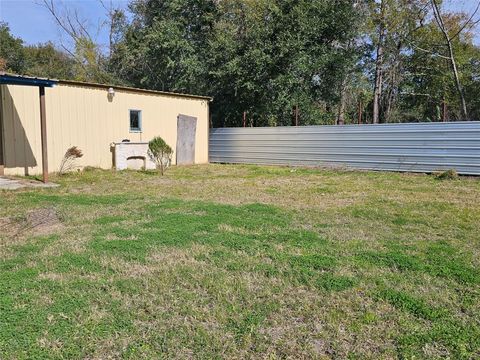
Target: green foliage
[(265, 57), (165, 45), (86, 63), (12, 56), (160, 152), (90, 64), (262, 56), (428, 82), (447, 175), (46, 61)]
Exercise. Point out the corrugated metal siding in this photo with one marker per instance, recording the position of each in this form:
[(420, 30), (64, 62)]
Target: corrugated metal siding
[(419, 147), (83, 116)]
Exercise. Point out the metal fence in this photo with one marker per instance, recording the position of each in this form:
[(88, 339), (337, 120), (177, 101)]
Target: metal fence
[(416, 147)]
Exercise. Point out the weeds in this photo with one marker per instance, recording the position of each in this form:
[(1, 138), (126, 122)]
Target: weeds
[(447, 175)]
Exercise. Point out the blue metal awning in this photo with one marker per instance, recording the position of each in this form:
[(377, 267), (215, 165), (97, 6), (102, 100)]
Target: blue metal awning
[(11, 79)]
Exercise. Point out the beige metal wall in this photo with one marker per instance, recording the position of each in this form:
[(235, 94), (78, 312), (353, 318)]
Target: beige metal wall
[(85, 117)]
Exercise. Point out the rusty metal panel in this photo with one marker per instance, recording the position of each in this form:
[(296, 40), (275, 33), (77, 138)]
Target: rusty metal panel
[(417, 147)]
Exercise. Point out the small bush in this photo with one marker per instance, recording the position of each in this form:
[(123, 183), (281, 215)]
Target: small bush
[(91, 169), (160, 153), (447, 175), (68, 161)]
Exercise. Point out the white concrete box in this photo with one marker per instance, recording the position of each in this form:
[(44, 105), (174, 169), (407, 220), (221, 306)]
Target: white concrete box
[(132, 155)]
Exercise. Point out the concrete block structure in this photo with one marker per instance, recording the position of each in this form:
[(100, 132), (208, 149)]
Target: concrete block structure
[(133, 156)]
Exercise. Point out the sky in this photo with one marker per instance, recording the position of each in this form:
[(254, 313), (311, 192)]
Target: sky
[(32, 22)]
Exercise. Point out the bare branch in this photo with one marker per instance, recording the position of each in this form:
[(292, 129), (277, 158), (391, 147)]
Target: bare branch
[(50, 6), (74, 56), (415, 94), (428, 51), (468, 22), (71, 24), (82, 27), (453, 64)]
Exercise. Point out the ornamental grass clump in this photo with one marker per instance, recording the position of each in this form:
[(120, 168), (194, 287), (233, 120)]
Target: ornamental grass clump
[(68, 161)]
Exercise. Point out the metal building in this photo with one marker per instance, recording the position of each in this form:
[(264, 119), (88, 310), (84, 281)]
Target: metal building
[(93, 117)]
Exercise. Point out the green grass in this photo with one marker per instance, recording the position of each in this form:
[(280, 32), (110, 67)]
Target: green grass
[(242, 262)]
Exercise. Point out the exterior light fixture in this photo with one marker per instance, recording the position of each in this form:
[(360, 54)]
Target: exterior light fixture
[(111, 92)]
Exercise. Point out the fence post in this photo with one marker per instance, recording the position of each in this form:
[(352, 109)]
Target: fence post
[(444, 115), (295, 115), (360, 112)]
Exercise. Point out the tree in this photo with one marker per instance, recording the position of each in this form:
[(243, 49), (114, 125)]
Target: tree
[(164, 46), (116, 21), (262, 57), (391, 23), (451, 56), (377, 89), (275, 55), (160, 153), (90, 63), (12, 55), (45, 60), (342, 61), (429, 87)]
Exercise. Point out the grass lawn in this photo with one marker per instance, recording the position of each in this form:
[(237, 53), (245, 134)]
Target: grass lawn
[(225, 261)]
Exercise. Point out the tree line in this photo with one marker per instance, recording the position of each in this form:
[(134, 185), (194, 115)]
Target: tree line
[(277, 62)]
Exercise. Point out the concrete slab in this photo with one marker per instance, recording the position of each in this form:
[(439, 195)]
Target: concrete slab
[(9, 184), (14, 184)]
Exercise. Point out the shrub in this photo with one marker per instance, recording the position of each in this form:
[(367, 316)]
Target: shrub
[(68, 161), (160, 153), (447, 175)]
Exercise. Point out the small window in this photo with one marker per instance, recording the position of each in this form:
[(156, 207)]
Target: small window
[(135, 120)]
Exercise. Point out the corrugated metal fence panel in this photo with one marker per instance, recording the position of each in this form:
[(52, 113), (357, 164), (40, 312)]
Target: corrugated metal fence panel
[(419, 147)]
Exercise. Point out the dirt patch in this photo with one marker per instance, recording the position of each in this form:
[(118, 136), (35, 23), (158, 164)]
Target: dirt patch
[(19, 229), (44, 221), (9, 226)]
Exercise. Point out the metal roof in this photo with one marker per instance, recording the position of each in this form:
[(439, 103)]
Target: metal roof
[(133, 89), (14, 79)]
